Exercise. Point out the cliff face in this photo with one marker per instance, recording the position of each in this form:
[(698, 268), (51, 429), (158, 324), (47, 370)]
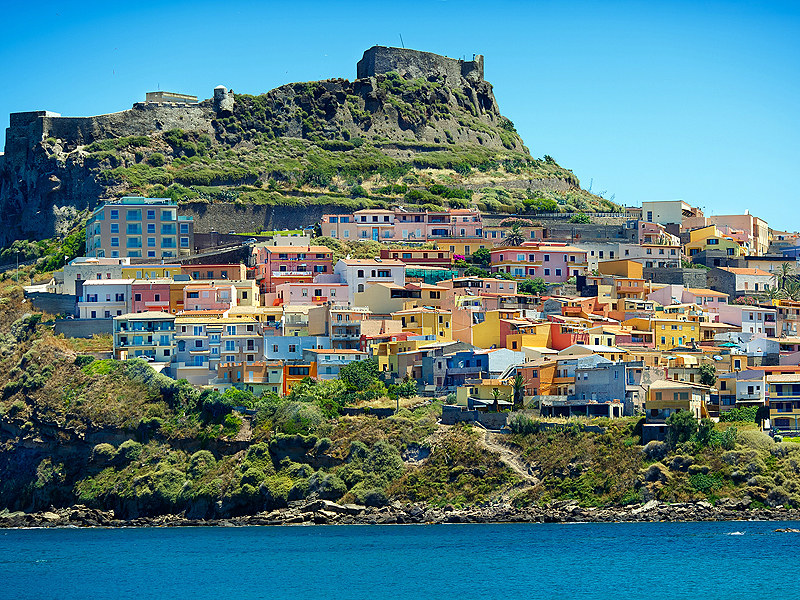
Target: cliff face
[(405, 105)]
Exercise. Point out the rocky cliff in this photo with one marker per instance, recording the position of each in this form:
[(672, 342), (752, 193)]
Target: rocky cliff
[(407, 112)]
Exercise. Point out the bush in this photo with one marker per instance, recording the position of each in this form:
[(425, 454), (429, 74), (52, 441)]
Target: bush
[(156, 159), (102, 454), (745, 414), (200, 462), (358, 192), (681, 426), (128, 451), (580, 218)]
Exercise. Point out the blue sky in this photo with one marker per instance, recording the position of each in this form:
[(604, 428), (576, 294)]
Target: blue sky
[(642, 100)]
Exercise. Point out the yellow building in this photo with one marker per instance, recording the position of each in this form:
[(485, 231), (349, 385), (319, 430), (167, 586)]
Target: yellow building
[(711, 238), (668, 333), (388, 353), (485, 392), (629, 269), (462, 246), (150, 271), (387, 298), (426, 321), (668, 397)]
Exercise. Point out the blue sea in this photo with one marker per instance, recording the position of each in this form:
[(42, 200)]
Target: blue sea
[(427, 562)]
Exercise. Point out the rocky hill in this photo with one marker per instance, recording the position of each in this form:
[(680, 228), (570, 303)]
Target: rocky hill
[(409, 121)]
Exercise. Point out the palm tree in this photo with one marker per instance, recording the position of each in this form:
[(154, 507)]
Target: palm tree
[(770, 294), (783, 275), (514, 237), (518, 392), (791, 289)]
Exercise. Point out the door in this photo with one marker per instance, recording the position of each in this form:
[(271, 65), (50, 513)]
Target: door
[(375, 234)]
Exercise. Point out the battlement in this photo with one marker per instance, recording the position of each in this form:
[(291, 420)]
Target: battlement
[(381, 59), (170, 97)]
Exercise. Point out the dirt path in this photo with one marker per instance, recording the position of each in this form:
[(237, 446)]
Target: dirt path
[(509, 457)]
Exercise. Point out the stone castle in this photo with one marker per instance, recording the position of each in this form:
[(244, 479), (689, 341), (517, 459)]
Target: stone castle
[(379, 60)]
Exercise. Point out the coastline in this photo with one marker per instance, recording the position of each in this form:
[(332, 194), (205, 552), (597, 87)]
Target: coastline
[(324, 512)]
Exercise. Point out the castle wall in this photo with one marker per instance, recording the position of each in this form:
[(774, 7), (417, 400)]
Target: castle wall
[(380, 59), (142, 119), (225, 216)]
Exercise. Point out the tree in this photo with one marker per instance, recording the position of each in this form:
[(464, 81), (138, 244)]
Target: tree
[(476, 272), (496, 397), (481, 257), (708, 375), (359, 375), (783, 275), (514, 237), (681, 426), (518, 392), (791, 289), (580, 218), (536, 286)]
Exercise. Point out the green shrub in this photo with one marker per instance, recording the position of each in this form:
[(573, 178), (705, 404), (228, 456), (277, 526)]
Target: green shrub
[(200, 462), (156, 159), (128, 451), (103, 454)]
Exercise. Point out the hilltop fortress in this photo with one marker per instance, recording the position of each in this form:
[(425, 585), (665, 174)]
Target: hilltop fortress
[(380, 60), (56, 167)]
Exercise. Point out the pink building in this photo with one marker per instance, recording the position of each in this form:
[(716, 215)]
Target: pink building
[(312, 293), (151, 295), (399, 225), (553, 262), (209, 296), (276, 265)]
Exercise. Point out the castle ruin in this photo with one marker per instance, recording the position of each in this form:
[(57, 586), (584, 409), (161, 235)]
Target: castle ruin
[(379, 60)]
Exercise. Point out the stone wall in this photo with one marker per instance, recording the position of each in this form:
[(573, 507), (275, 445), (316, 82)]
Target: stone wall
[(225, 216), (83, 328), (693, 278), (491, 420), (379, 60), (54, 304)]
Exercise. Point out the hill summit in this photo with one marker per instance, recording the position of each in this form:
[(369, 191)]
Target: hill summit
[(409, 120)]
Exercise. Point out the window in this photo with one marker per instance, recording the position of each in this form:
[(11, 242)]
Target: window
[(184, 242), (558, 272), (114, 242), (230, 346), (546, 258), (114, 214), (151, 228), (292, 348), (114, 227), (360, 274), (184, 228), (133, 215), (151, 242)]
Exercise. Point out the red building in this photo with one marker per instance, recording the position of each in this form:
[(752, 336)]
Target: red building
[(290, 264), (427, 257)]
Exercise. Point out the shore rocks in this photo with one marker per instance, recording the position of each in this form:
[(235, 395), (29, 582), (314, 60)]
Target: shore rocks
[(325, 512)]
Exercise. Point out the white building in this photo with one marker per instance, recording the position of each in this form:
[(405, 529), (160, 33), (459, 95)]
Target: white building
[(358, 273), (105, 298)]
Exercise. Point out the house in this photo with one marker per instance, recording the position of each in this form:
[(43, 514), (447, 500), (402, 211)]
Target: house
[(387, 298), (329, 362), (736, 281), (151, 295), (665, 398), (148, 335), (712, 238), (234, 272), (139, 227), (423, 256), (105, 298), (202, 343), (209, 296), (358, 273), (257, 377), (742, 388), (290, 264), (314, 293), (486, 395), (341, 323), (426, 321), (293, 347), (784, 402), (751, 319), (554, 263), (670, 213)]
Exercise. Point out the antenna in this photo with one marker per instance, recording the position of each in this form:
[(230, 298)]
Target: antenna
[(401, 41)]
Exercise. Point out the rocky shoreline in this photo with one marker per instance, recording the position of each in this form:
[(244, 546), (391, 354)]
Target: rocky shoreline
[(324, 512)]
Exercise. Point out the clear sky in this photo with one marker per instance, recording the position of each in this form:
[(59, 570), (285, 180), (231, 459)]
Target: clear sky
[(642, 100)]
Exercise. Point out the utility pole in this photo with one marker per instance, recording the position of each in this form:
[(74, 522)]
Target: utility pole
[(17, 266)]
